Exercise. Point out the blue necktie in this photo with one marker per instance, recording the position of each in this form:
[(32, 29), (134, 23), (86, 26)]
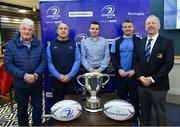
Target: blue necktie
[(147, 50)]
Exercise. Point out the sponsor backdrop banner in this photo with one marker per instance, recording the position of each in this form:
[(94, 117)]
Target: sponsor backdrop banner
[(79, 13)]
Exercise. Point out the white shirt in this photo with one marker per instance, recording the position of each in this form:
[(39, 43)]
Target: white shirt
[(152, 45), (153, 41)]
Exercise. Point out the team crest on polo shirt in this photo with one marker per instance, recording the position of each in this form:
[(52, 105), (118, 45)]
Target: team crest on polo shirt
[(70, 47), (55, 47), (160, 55)]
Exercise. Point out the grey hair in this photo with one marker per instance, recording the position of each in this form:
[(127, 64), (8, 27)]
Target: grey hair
[(155, 17), (28, 22), (64, 24)]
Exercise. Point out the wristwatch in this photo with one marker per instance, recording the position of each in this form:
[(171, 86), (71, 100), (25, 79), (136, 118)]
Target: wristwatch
[(36, 76)]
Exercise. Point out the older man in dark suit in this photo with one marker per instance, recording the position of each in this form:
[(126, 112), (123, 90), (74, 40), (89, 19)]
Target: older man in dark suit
[(154, 60)]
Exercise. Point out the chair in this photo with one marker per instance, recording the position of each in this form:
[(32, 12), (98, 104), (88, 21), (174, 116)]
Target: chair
[(6, 84)]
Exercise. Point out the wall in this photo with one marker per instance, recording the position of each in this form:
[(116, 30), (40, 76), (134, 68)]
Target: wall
[(174, 77), (26, 3), (157, 8)]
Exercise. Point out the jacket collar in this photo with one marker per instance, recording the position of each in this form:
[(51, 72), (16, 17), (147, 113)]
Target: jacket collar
[(134, 37), (19, 43)]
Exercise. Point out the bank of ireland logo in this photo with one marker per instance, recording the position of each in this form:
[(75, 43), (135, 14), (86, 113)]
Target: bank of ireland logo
[(108, 11), (80, 37), (53, 12)]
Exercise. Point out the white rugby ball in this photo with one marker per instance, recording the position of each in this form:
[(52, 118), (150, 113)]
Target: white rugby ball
[(118, 109), (66, 110)]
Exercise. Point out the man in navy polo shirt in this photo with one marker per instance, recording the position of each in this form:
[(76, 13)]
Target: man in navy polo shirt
[(63, 63)]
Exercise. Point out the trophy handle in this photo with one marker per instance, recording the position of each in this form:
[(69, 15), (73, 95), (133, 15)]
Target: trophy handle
[(108, 77), (80, 76)]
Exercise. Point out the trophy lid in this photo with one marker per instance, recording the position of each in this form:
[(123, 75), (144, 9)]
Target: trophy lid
[(93, 74)]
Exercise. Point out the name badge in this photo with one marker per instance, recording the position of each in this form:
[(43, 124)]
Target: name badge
[(160, 55)]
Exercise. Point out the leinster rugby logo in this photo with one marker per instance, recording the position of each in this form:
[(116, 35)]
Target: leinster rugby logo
[(67, 113), (108, 11), (80, 37), (53, 12)]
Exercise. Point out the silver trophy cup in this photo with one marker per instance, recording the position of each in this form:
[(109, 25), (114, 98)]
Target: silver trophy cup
[(93, 84)]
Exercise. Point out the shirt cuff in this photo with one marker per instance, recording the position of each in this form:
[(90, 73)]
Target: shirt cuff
[(152, 80)]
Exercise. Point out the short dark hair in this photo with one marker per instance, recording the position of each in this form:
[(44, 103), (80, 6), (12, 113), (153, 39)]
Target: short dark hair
[(94, 22), (127, 21)]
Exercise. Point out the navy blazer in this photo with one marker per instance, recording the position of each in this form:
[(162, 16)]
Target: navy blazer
[(160, 63)]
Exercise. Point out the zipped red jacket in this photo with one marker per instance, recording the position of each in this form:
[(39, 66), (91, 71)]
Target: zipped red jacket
[(5, 80)]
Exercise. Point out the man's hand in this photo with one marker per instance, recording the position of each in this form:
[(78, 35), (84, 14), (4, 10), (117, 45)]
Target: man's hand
[(29, 78), (149, 80), (131, 73), (144, 81), (122, 73), (64, 78), (61, 78)]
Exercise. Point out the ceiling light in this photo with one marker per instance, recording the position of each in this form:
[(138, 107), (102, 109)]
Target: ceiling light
[(22, 11), (34, 8), (5, 18)]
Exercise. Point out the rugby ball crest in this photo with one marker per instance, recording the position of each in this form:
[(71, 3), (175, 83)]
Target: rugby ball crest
[(66, 110), (118, 109)]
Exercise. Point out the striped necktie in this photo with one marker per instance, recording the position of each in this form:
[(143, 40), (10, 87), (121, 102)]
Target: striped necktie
[(147, 50)]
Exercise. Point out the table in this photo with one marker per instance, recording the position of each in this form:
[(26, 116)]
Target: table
[(88, 118)]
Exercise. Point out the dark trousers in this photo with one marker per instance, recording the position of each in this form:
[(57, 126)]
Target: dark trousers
[(149, 98), (22, 98), (127, 89), (61, 89)]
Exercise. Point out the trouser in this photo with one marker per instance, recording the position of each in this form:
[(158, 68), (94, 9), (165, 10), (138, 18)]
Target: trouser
[(149, 98), (127, 89), (61, 89), (22, 99)]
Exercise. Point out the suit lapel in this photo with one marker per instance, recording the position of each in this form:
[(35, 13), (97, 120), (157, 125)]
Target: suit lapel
[(156, 46), (143, 48)]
